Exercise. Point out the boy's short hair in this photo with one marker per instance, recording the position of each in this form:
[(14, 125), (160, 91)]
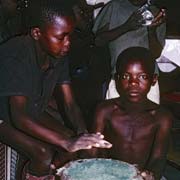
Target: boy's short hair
[(41, 12), (136, 53)]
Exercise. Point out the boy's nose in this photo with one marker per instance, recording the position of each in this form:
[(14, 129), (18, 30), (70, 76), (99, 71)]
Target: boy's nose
[(134, 82)]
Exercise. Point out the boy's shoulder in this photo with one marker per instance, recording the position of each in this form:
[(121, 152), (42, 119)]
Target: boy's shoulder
[(15, 45), (17, 50), (162, 114), (109, 105)]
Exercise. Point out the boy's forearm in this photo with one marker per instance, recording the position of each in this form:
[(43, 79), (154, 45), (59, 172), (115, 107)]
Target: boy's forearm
[(23, 121), (75, 117), (37, 131)]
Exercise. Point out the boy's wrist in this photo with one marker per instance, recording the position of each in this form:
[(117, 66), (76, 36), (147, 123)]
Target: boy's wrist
[(65, 143)]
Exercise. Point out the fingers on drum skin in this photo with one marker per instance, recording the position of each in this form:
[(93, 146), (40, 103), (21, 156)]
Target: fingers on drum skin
[(99, 134), (98, 141), (98, 145), (79, 146), (104, 144), (89, 138), (143, 174), (147, 175), (88, 143), (95, 135)]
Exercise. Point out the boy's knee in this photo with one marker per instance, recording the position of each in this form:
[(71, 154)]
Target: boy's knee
[(43, 154)]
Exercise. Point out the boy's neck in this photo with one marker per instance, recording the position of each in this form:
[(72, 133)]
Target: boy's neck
[(42, 57), (143, 105)]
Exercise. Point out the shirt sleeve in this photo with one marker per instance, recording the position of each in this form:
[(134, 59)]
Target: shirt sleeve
[(161, 34), (103, 17), (14, 77), (64, 76)]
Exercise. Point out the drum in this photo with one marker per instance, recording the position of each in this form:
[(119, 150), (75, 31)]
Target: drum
[(98, 169)]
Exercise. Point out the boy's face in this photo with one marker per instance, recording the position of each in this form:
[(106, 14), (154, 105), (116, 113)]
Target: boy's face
[(84, 17), (54, 38), (135, 81)]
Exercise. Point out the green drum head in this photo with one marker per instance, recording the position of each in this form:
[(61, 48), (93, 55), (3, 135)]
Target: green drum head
[(98, 169)]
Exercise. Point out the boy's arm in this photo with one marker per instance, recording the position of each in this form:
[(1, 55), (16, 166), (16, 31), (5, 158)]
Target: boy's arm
[(67, 104), (24, 122), (157, 159), (98, 126)]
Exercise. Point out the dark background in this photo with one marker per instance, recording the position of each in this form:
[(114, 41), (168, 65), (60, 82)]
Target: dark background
[(173, 15)]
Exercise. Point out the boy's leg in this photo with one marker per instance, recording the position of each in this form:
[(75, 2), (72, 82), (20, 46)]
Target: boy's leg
[(39, 154), (31, 177)]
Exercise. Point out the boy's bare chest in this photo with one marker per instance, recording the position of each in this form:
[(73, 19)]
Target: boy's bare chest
[(133, 126)]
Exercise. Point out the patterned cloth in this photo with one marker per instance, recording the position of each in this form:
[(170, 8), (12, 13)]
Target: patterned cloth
[(94, 2)]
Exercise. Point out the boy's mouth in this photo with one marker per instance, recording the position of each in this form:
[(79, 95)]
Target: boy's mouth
[(133, 93), (63, 53)]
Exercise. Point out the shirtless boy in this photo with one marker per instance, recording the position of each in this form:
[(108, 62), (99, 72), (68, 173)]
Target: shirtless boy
[(138, 128)]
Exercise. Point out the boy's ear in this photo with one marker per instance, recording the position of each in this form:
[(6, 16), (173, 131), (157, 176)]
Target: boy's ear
[(35, 33), (154, 80)]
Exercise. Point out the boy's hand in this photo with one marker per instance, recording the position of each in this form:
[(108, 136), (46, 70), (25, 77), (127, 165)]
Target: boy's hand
[(87, 141), (147, 175), (143, 174)]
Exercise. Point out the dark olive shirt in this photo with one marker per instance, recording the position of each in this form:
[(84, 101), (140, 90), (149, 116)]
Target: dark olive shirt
[(21, 75)]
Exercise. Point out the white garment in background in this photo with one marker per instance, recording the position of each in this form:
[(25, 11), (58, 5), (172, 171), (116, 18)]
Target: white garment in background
[(94, 2), (170, 56)]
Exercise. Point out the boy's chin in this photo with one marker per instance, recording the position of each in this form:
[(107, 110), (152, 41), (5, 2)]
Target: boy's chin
[(57, 56), (135, 99)]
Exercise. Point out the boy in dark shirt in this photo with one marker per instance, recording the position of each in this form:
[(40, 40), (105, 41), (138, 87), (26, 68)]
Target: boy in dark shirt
[(138, 128), (31, 67)]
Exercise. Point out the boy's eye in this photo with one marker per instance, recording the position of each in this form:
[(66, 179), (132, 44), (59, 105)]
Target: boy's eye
[(60, 38), (143, 76), (125, 76)]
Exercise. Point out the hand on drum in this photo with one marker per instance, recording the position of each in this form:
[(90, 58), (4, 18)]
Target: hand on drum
[(143, 174), (147, 175), (87, 141)]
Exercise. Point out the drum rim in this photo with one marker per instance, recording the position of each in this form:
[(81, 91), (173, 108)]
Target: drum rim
[(63, 174)]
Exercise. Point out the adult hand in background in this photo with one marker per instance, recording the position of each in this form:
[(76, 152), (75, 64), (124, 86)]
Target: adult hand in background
[(159, 18)]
